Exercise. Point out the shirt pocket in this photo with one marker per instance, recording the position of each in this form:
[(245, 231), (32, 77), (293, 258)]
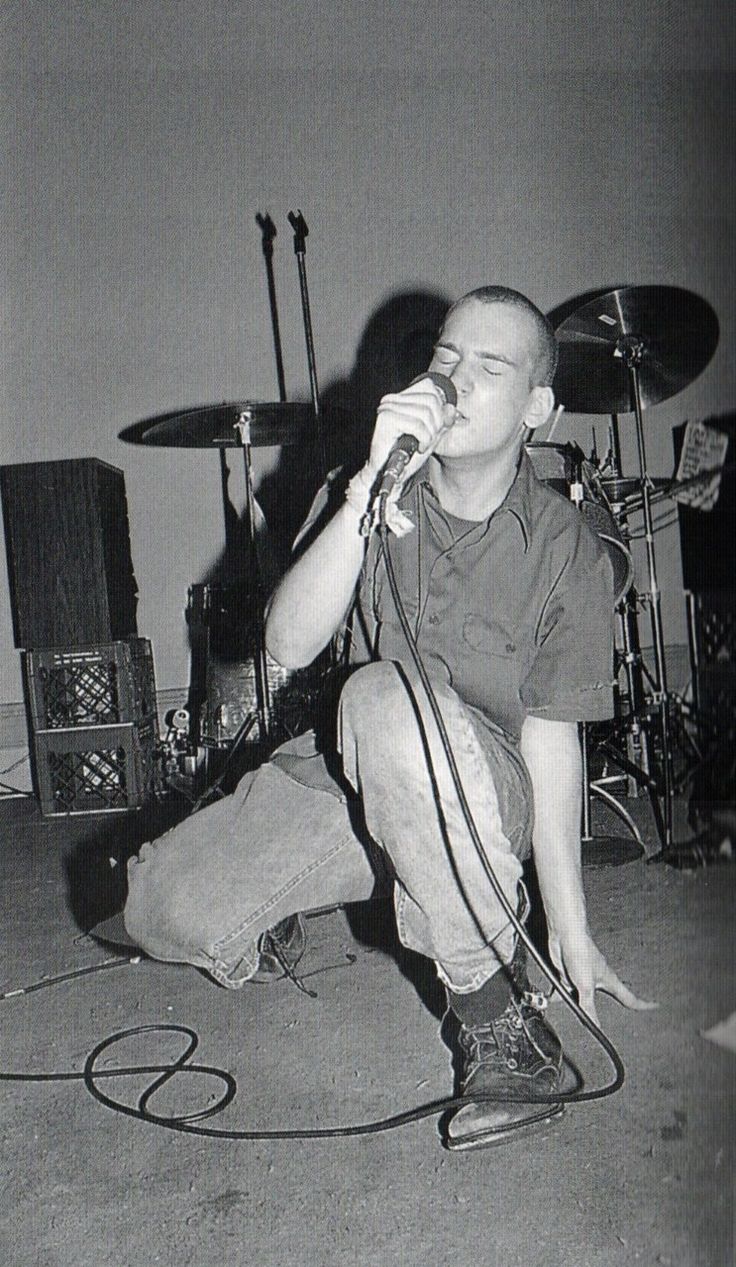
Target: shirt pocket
[(490, 636)]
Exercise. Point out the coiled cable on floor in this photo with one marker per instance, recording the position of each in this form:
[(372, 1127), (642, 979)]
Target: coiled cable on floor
[(91, 1075)]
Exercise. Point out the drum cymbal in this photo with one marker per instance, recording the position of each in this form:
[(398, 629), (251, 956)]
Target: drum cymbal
[(619, 487), (678, 331), (283, 422)]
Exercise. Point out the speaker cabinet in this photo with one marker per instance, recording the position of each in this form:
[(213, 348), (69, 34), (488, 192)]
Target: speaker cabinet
[(68, 546)]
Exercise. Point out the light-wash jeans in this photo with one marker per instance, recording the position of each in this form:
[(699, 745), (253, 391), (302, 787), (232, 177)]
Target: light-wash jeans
[(291, 838)]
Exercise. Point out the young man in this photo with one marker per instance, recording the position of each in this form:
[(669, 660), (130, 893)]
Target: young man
[(510, 598)]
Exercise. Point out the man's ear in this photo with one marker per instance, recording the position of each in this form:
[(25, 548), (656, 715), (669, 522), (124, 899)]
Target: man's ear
[(539, 407)]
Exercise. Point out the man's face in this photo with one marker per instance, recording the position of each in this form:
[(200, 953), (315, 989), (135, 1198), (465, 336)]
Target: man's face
[(489, 352)]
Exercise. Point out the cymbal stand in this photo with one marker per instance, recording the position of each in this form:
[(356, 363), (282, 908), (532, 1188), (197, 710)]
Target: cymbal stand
[(631, 349), (263, 701), (630, 659), (599, 850)]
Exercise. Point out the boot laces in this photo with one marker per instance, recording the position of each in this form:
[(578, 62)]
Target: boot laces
[(504, 1037), (277, 946)]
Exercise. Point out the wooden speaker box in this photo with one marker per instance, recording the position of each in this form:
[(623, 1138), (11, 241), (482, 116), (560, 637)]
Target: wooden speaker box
[(68, 546)]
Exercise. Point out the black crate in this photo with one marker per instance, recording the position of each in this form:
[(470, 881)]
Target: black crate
[(101, 685), (95, 769), (715, 627)]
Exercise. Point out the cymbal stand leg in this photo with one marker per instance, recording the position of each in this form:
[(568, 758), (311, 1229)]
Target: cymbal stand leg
[(602, 850), (632, 351), (263, 701)]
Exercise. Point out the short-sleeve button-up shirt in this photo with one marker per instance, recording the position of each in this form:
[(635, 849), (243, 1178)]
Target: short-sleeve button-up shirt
[(514, 612)]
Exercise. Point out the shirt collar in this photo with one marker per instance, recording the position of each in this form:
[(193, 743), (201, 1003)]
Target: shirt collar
[(518, 502)]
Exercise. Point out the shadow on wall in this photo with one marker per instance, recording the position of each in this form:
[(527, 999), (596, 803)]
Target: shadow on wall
[(396, 345)]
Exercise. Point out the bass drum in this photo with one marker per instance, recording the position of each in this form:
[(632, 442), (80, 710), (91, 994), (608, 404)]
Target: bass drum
[(223, 697), (554, 464)]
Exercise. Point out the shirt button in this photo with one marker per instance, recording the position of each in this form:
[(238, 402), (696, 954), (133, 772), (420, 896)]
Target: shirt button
[(510, 646), (433, 620)]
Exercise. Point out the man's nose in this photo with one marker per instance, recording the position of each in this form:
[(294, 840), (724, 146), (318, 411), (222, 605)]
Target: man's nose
[(459, 376)]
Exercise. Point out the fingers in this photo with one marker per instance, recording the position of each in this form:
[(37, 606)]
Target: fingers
[(586, 999), (591, 977), (420, 411), (613, 985)]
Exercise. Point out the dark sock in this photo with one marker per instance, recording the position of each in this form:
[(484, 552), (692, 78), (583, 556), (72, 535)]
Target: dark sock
[(484, 1005)]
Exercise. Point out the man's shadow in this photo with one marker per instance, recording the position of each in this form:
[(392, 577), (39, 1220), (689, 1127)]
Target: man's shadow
[(396, 346)]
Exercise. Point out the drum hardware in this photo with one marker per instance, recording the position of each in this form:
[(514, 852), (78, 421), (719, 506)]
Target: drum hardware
[(621, 352), (218, 426), (241, 425), (244, 425)]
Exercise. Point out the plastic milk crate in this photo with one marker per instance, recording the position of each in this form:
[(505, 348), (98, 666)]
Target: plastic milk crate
[(91, 769), (89, 686), (94, 726)]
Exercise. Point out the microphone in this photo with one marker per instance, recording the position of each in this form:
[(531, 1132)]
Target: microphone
[(407, 445)]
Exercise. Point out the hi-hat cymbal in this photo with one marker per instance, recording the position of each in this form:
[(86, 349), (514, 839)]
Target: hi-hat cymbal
[(678, 332), (282, 422), (619, 487)]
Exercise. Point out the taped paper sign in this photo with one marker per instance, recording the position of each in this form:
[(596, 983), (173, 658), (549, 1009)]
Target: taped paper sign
[(703, 453)]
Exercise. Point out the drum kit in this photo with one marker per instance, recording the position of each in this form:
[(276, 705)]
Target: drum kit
[(622, 351)]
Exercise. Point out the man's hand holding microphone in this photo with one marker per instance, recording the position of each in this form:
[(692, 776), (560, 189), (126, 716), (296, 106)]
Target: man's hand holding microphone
[(408, 427)]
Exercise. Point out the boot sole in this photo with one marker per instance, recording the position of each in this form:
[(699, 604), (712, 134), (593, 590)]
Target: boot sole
[(491, 1137)]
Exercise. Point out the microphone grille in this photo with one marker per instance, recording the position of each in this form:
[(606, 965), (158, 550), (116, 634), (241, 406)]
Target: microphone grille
[(445, 384)]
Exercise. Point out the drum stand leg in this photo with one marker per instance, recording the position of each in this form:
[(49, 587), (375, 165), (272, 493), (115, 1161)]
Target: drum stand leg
[(631, 349), (599, 851)]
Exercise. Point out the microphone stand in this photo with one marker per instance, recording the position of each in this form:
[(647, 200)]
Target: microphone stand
[(268, 233), (299, 225)]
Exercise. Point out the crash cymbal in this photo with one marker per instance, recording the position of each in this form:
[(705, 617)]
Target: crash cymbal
[(283, 422), (678, 332)]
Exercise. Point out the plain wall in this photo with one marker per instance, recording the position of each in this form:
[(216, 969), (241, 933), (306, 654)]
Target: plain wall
[(550, 147)]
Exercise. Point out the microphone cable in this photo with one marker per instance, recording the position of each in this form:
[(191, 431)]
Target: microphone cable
[(191, 1123)]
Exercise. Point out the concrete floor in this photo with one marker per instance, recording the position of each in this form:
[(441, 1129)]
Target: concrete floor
[(643, 1177)]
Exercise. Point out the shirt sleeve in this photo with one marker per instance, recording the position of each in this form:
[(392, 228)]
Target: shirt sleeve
[(571, 677)]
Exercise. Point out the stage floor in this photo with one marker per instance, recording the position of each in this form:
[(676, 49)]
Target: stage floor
[(643, 1177)]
